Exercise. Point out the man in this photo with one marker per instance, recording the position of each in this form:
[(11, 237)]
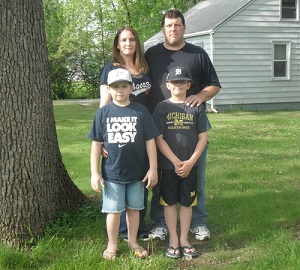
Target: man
[(161, 58)]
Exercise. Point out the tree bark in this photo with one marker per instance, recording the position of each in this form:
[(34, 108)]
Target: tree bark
[(34, 184)]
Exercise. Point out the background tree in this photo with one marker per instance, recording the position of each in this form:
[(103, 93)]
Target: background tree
[(34, 182), (58, 58), (80, 35)]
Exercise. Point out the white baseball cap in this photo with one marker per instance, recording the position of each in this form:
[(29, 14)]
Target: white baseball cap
[(118, 75)]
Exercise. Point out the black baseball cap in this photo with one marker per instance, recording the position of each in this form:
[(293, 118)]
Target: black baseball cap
[(179, 74)]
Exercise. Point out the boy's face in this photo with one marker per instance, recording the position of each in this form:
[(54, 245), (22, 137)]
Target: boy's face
[(120, 92), (178, 88)]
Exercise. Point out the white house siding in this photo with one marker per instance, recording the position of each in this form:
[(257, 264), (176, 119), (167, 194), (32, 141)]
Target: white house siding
[(202, 41), (241, 51), (243, 57)]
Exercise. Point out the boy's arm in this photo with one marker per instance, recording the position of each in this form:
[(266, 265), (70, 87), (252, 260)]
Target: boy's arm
[(165, 149), (187, 165), (202, 142), (96, 179), (151, 175)]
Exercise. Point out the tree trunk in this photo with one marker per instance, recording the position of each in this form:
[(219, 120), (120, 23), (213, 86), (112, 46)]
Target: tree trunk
[(34, 184)]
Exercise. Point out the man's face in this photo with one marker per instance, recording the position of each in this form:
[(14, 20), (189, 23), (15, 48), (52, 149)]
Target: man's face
[(173, 31)]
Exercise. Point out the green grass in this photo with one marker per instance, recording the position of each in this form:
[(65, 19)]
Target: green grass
[(252, 193)]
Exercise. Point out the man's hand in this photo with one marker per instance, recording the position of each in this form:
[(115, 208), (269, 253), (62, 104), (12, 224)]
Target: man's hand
[(204, 95), (194, 100)]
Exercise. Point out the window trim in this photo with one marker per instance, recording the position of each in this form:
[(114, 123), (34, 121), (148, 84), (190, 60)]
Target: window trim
[(290, 19), (288, 59)]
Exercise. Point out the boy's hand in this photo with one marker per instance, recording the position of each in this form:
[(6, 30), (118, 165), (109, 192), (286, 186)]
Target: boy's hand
[(183, 168), (96, 179), (151, 177)]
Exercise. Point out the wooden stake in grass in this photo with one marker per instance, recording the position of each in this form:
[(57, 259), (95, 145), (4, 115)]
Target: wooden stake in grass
[(150, 242)]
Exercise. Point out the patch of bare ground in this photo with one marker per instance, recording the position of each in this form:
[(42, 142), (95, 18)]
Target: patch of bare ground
[(296, 230), (233, 252), (204, 259)]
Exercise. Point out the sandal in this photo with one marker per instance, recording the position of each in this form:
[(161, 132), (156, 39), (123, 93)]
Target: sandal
[(187, 251), (171, 252), (109, 255), (140, 252)]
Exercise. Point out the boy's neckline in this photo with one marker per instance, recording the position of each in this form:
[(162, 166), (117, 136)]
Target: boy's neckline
[(176, 101), (121, 105)]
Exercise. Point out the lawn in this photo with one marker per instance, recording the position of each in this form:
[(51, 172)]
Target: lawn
[(252, 194)]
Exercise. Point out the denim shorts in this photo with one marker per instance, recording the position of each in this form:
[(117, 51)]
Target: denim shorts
[(118, 197)]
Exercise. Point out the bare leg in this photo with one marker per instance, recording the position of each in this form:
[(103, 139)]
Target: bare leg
[(133, 219), (112, 224), (185, 222), (171, 220)]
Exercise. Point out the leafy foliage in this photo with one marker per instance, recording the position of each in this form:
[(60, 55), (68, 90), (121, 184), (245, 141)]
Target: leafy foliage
[(55, 27), (80, 36)]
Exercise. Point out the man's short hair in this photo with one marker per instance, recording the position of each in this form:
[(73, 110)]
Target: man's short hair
[(172, 14)]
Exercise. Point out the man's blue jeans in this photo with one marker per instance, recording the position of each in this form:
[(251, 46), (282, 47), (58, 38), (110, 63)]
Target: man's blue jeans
[(199, 211)]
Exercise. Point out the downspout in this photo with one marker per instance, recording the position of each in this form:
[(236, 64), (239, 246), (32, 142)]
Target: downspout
[(212, 60)]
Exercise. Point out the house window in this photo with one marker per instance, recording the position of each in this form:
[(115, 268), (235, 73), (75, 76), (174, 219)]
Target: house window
[(281, 60), (289, 9)]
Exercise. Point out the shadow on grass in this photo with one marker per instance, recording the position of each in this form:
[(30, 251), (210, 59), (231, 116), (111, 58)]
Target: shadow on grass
[(244, 222)]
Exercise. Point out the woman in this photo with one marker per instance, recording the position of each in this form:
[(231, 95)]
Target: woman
[(127, 54)]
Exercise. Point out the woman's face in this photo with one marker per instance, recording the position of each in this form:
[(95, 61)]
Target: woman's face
[(126, 43)]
